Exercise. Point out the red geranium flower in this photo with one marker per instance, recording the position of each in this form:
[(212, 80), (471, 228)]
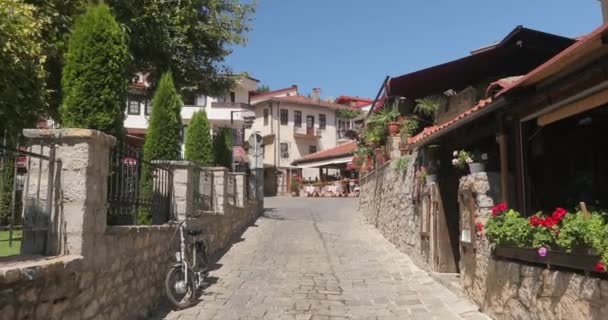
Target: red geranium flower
[(536, 221), (549, 222), (600, 266), (559, 214), (479, 226), (498, 209)]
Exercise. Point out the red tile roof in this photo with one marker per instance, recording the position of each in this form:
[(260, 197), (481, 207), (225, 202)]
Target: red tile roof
[(342, 150), (298, 99), (584, 45), (429, 131), (274, 92), (359, 102)]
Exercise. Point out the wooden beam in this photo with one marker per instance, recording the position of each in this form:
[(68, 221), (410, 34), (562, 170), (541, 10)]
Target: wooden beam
[(503, 141), (576, 107)]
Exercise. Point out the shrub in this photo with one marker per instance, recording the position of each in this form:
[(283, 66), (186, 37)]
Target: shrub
[(401, 165), (163, 139), (222, 148), (94, 81), (199, 147)]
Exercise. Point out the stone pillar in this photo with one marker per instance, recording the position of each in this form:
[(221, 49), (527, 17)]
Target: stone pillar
[(392, 145), (240, 189), (78, 218), (258, 187), (219, 174), (184, 184)]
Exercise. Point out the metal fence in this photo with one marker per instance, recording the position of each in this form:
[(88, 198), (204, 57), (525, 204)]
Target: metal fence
[(26, 199), (139, 192), (203, 192)]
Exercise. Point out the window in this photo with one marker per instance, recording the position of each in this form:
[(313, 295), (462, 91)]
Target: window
[(322, 122), (297, 119), (133, 106), (232, 96), (189, 99), (284, 115), (265, 117), (312, 149), (284, 150), (148, 107)]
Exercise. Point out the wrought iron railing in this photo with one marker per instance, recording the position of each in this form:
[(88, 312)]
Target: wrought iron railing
[(139, 192), (26, 199)]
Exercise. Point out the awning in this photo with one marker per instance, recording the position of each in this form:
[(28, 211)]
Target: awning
[(324, 163)]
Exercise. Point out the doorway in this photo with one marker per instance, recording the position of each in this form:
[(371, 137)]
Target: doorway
[(310, 125)]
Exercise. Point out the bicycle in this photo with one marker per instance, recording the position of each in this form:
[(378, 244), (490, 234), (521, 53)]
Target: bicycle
[(187, 276)]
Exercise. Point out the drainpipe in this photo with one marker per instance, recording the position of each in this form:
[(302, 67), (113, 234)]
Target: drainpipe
[(278, 144)]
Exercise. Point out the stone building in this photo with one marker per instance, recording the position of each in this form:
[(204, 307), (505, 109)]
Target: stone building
[(538, 121)]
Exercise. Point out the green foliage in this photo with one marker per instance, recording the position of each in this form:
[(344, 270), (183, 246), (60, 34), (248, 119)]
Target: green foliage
[(199, 147), (347, 113), (384, 116), (94, 81), (429, 106), (402, 163), (191, 38), (509, 229), (295, 186), (163, 139), (262, 88), (409, 127), (375, 134), (22, 75), (222, 148)]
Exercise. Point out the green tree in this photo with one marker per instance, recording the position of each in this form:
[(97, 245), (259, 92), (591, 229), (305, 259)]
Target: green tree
[(190, 38), (94, 80), (198, 140), (262, 88), (222, 148), (163, 139), (22, 84)]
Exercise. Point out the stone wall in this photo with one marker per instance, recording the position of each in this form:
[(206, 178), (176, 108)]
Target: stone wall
[(503, 289), (107, 272), (386, 201), (514, 290)]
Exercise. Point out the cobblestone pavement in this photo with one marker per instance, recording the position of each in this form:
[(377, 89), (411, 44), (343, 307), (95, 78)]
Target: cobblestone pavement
[(314, 259)]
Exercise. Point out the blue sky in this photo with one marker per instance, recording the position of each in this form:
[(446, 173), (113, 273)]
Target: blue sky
[(348, 47)]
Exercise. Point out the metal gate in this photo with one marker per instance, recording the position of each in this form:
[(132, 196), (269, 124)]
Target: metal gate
[(139, 192), (26, 199)]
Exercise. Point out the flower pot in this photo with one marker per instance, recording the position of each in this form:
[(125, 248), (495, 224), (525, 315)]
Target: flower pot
[(431, 178), (476, 167), (394, 128)]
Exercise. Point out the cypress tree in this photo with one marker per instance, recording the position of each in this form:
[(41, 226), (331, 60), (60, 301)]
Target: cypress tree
[(198, 140), (163, 141), (163, 138), (94, 81), (222, 147)]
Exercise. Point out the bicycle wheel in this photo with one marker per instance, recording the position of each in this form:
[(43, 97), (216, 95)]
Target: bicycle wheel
[(180, 293)]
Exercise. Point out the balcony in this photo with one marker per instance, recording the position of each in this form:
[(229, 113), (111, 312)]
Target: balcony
[(231, 105), (307, 133)]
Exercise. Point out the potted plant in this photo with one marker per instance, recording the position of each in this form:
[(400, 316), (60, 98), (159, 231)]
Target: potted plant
[(387, 117), (476, 162)]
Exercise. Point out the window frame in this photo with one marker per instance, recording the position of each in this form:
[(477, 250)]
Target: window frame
[(129, 100), (322, 121), (297, 119), (266, 113), (286, 150), (311, 148), (148, 107), (284, 117)]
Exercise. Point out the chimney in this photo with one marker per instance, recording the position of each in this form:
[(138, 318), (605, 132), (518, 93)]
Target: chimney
[(316, 94), (604, 9)]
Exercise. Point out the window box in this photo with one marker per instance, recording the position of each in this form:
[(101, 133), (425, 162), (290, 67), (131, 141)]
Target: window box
[(578, 260)]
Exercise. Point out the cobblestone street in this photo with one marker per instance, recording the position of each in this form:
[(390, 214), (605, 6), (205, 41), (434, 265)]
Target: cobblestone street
[(315, 259)]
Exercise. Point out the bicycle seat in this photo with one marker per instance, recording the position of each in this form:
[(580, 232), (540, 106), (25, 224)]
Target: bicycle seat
[(195, 232)]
